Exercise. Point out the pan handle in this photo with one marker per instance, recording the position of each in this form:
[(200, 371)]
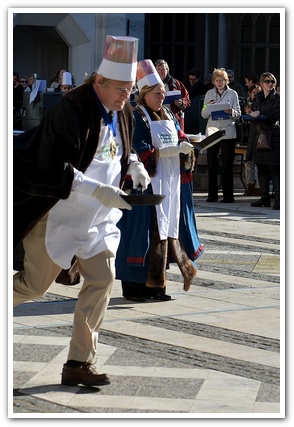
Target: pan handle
[(139, 190)]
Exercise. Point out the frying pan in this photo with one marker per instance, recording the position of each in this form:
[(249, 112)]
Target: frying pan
[(210, 140), (140, 199)]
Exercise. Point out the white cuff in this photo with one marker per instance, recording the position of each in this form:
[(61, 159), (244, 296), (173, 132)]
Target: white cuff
[(83, 184)]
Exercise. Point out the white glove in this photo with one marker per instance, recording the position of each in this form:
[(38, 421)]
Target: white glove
[(110, 196), (184, 147), (139, 175)]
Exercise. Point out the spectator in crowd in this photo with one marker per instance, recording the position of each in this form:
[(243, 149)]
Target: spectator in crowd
[(196, 89), (251, 178), (153, 236), (66, 82), (24, 81), (179, 105), (77, 167), (17, 101), (208, 82), (266, 103), (233, 84), (253, 90), (32, 80), (250, 80), (194, 84), (55, 82), (17, 94), (221, 93)]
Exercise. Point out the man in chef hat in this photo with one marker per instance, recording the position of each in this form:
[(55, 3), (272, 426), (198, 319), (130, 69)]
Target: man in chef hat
[(81, 158)]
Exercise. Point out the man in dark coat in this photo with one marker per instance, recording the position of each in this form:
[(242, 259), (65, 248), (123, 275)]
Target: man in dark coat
[(233, 84), (194, 84), (68, 175)]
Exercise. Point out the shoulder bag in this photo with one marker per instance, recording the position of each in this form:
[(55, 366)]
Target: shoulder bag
[(264, 140)]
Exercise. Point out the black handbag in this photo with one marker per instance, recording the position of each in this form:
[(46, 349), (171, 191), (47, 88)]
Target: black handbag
[(264, 140)]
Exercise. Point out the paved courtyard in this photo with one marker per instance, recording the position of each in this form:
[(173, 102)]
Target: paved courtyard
[(217, 350)]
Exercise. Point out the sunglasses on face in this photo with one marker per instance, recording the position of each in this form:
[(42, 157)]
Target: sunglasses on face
[(269, 81), (23, 81)]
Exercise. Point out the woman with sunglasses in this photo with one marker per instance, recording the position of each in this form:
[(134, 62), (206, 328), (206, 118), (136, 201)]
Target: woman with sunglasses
[(25, 84), (266, 116)]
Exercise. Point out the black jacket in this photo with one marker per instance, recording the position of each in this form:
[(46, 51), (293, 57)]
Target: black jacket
[(270, 108), (196, 89), (44, 156)]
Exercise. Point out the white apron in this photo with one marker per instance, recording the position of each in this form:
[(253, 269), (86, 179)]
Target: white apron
[(81, 225), (167, 180)]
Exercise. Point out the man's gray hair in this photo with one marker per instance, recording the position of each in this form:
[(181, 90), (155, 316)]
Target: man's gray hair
[(160, 62)]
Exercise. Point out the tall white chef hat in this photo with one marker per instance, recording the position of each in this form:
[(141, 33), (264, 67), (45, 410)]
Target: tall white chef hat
[(120, 58), (147, 74), (66, 78)]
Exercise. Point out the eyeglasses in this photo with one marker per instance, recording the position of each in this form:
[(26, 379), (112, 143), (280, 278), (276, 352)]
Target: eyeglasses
[(269, 81), (23, 81), (123, 90)]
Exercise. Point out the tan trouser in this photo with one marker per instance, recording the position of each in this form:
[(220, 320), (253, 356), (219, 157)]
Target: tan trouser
[(39, 273)]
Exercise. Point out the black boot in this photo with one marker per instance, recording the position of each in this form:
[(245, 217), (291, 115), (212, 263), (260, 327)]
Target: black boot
[(265, 199), (158, 294), (261, 202), (276, 188), (276, 205), (133, 291)]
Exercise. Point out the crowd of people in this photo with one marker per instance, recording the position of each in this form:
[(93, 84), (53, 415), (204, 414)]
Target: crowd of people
[(24, 85), (188, 110), (62, 82), (75, 172)]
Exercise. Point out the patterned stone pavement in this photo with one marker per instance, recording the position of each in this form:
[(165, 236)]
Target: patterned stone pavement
[(214, 350)]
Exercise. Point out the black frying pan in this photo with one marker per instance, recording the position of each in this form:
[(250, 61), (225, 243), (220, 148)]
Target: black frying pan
[(209, 141), (140, 199)]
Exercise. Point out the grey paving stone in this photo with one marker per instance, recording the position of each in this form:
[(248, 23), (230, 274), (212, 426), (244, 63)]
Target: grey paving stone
[(268, 393), (35, 353)]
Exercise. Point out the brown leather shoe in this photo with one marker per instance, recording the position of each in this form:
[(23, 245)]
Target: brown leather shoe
[(84, 374)]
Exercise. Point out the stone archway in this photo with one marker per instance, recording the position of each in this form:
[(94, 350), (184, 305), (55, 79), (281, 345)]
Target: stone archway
[(44, 43)]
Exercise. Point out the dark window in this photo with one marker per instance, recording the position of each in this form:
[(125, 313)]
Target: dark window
[(186, 40), (274, 60), (260, 62), (260, 30), (167, 27), (275, 30), (263, 52)]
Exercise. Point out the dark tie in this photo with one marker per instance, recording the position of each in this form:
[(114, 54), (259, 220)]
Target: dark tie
[(110, 115)]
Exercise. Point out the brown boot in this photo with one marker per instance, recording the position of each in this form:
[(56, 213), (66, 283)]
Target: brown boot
[(189, 272), (157, 266), (250, 190), (84, 374)]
